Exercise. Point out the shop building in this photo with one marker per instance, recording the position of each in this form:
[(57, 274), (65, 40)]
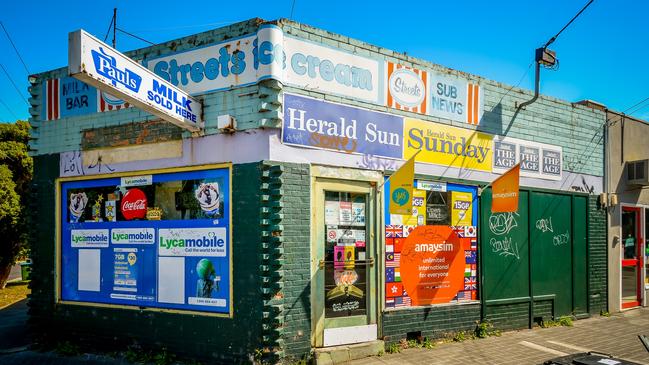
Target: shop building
[(627, 203), (268, 234)]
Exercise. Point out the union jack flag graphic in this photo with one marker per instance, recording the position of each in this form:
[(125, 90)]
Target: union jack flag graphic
[(395, 262), (393, 230), (470, 283), (51, 109)]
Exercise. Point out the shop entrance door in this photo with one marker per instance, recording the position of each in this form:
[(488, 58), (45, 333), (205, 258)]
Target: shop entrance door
[(344, 263), (631, 245)]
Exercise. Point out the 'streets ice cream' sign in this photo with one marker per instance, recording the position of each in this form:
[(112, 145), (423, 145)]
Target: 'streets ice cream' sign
[(407, 88), (99, 65)]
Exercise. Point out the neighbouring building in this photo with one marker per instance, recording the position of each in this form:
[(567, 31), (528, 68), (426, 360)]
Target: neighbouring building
[(267, 235), (627, 200)]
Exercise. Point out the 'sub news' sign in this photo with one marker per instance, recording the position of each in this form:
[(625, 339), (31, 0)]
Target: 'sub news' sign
[(99, 65)]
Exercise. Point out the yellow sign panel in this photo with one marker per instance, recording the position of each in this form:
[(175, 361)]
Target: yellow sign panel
[(461, 208), (418, 216), (447, 146), (401, 184)]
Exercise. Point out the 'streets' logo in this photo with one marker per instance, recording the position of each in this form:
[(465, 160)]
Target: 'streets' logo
[(407, 88), (106, 66), (134, 204), (400, 196)]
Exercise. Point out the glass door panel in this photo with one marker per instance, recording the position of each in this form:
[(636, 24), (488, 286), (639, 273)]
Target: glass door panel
[(631, 242)]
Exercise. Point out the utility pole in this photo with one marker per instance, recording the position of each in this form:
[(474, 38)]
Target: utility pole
[(114, 26)]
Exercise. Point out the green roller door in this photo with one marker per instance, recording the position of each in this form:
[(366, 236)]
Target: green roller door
[(551, 249)]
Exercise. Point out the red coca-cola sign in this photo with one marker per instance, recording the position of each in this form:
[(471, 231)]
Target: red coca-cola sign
[(134, 204)]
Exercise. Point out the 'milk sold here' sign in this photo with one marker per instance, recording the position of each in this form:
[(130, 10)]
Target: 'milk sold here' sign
[(95, 63)]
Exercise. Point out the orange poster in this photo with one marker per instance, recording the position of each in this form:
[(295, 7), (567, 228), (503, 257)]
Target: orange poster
[(505, 191), (432, 265)]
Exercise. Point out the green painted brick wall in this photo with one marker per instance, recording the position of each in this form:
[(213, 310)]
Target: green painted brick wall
[(597, 258), (224, 340), (433, 322)]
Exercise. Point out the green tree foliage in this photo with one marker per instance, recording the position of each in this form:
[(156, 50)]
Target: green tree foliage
[(16, 169)]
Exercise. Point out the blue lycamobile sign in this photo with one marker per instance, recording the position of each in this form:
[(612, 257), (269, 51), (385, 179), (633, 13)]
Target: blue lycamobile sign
[(319, 124)]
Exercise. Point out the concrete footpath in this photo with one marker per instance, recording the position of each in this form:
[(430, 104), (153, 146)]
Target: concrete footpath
[(616, 335)]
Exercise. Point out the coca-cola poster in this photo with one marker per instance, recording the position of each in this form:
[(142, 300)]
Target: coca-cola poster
[(134, 204)]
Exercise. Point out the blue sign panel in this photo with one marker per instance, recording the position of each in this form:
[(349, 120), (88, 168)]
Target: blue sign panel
[(77, 98), (159, 241), (319, 124)]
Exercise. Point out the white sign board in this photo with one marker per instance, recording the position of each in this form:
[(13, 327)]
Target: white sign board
[(95, 63)]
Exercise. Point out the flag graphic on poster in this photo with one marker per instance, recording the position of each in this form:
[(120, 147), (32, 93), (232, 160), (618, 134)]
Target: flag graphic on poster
[(464, 295), (393, 290), (392, 231), (403, 301), (470, 283), (389, 247), (51, 106), (474, 244), (407, 230), (389, 302), (470, 257), (467, 270), (397, 274), (396, 258), (389, 274), (398, 244), (470, 231)]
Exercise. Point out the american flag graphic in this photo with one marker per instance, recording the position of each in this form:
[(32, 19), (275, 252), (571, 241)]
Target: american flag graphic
[(107, 102), (473, 104), (51, 106), (393, 230), (402, 302), (470, 283), (464, 295), (423, 76), (395, 261)]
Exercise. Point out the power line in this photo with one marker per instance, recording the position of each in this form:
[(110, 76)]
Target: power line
[(551, 40), (134, 36), (15, 49), (112, 19), (292, 7), (13, 83), (9, 109)]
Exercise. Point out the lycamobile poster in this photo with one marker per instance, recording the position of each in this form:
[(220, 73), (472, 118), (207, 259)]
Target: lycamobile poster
[(162, 242)]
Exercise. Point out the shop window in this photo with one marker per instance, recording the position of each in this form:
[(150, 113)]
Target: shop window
[(431, 256), (153, 241)]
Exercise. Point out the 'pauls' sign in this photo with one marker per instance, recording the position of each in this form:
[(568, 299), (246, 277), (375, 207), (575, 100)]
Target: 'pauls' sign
[(318, 124), (94, 62)]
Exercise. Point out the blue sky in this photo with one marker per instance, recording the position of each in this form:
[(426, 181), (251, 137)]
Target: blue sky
[(603, 54)]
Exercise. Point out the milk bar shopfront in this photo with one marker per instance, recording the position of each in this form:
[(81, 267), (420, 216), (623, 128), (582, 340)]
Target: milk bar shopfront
[(266, 235)]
